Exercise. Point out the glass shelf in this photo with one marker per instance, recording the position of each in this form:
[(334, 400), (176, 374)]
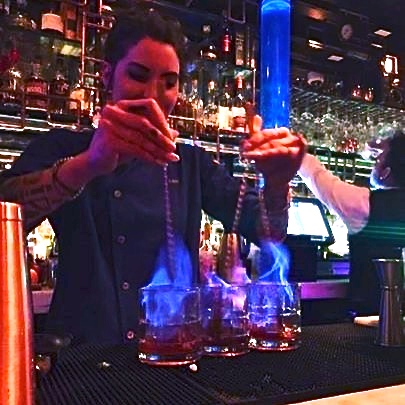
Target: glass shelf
[(315, 102), (60, 45)]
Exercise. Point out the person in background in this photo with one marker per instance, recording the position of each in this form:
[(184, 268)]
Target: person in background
[(104, 190), (375, 218)]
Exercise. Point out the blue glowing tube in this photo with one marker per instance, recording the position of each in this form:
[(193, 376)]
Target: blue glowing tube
[(275, 63)]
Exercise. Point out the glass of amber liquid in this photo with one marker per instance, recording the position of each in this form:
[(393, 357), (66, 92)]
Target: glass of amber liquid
[(169, 332), (225, 321), (275, 316)]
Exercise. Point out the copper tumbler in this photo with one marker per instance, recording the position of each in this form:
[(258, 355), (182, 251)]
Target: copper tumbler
[(16, 346)]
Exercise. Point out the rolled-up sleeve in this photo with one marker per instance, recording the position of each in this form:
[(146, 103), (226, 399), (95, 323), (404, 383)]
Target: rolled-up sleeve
[(351, 203)]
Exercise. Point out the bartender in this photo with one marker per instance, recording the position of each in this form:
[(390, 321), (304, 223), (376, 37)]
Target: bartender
[(103, 191), (375, 218)]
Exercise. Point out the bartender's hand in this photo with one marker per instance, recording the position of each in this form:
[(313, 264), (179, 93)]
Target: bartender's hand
[(278, 153), (131, 129)]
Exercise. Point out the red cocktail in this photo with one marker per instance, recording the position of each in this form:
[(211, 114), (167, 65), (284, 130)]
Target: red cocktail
[(169, 331), (274, 316), (224, 320)]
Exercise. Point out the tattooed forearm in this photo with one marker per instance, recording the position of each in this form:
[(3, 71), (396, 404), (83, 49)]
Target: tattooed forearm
[(37, 192)]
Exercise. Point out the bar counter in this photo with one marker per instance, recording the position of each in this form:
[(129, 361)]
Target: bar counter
[(333, 359)]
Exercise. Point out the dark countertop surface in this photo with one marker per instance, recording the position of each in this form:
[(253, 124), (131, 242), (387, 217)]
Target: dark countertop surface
[(333, 359)]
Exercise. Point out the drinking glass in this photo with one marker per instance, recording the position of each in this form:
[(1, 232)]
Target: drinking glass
[(275, 316), (169, 332), (225, 320)]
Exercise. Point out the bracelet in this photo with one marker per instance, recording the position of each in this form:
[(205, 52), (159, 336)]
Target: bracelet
[(73, 194)]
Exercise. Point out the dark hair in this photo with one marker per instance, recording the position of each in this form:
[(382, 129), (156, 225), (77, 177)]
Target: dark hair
[(138, 23), (395, 158)]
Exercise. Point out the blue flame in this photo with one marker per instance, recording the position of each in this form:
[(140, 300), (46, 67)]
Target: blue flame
[(162, 305), (274, 264), (213, 280), (183, 271)]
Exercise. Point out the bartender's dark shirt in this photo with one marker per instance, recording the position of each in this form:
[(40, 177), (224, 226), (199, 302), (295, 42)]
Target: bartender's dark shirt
[(382, 237), (109, 236)]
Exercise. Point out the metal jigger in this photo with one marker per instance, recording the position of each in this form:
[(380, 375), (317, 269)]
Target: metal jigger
[(229, 266), (16, 347), (391, 276)]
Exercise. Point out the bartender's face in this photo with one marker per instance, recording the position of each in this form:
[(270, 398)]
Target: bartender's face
[(380, 175), (150, 69)]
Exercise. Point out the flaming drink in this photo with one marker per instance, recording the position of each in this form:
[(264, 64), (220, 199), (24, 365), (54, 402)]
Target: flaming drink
[(224, 320), (169, 325), (275, 316)]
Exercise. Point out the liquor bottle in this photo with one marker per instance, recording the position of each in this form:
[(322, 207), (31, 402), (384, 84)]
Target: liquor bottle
[(208, 50), (247, 46), (181, 117), (59, 87), (79, 105), (181, 107), (51, 21), (36, 89), (195, 101), (70, 16), (224, 105), (19, 15), (211, 109), (227, 43), (11, 91), (238, 107), (4, 7), (11, 83), (239, 48), (207, 255)]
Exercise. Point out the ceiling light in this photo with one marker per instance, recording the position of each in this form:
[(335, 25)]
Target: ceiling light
[(335, 58), (317, 14), (390, 65), (376, 45), (382, 33), (313, 43)]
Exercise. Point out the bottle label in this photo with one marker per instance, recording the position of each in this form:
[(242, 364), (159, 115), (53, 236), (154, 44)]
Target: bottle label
[(239, 49), (34, 91), (223, 117), (238, 119)]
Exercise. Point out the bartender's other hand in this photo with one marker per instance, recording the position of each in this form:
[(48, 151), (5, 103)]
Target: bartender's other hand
[(278, 152), (132, 129)]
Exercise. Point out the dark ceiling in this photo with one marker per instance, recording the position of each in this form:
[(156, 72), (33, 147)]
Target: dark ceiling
[(325, 19)]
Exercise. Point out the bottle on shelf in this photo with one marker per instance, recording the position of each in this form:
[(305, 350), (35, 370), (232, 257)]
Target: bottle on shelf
[(36, 91), (239, 48), (79, 104), (59, 89), (70, 17), (227, 45), (11, 83), (247, 50), (181, 118), (196, 103), (19, 15), (224, 106), (207, 254), (4, 7), (208, 49), (51, 21), (211, 109), (238, 107)]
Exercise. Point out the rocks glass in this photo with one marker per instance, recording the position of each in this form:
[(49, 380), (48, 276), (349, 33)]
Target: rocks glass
[(275, 316), (225, 320), (169, 332)]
